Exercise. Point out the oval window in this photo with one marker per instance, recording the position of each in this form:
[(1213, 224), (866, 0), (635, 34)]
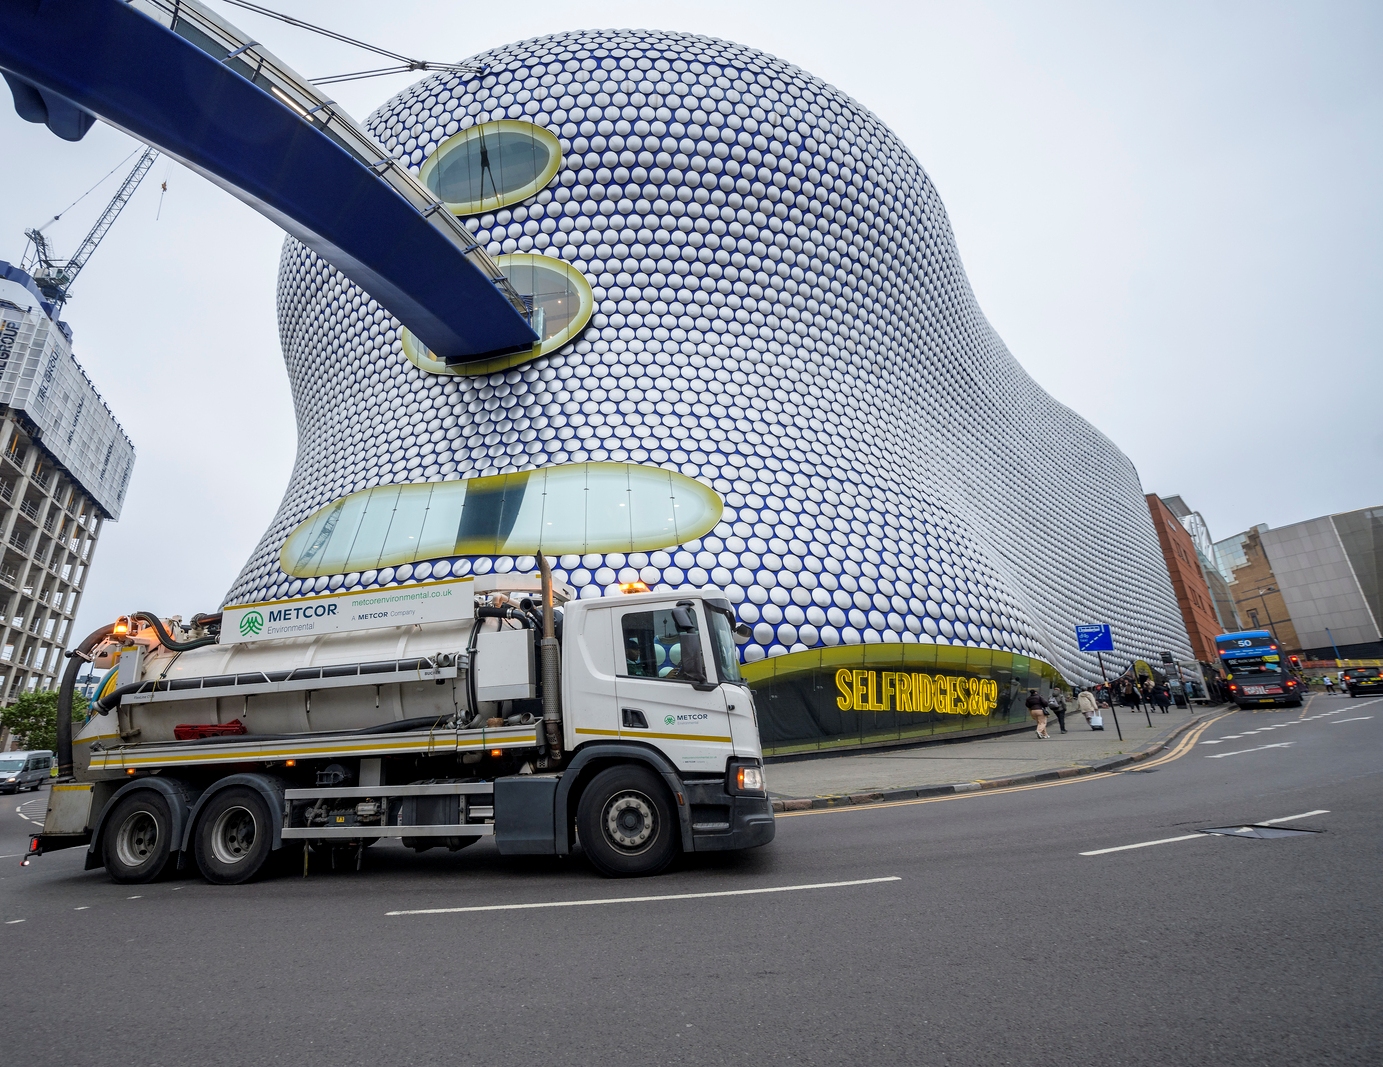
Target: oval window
[(575, 507), (491, 166), (562, 302)]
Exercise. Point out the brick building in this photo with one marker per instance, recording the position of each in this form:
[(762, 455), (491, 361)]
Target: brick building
[(1193, 595)]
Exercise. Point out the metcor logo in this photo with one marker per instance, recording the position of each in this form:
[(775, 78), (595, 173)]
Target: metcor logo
[(670, 720), (252, 623)]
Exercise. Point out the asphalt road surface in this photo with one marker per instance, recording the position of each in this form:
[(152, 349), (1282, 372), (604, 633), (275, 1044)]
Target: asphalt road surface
[(1002, 928)]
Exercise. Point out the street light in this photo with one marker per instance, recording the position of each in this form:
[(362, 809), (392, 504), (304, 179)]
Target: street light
[(1262, 595)]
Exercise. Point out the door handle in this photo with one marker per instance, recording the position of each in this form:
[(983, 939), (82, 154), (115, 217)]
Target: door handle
[(633, 718)]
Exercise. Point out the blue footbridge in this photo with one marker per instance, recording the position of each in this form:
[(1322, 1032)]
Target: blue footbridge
[(175, 75)]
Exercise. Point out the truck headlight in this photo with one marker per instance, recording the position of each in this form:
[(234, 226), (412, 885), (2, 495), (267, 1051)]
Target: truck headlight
[(746, 778)]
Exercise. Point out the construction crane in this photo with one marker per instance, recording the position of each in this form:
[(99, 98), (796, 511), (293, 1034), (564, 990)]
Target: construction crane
[(54, 277)]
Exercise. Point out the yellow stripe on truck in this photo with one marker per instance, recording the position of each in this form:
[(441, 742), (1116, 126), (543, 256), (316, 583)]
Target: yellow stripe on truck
[(120, 760), (646, 733)]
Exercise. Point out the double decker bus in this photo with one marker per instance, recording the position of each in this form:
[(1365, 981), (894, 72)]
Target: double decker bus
[(1255, 671)]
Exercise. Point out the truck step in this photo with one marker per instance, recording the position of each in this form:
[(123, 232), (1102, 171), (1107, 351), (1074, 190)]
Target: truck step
[(429, 789), (355, 833)]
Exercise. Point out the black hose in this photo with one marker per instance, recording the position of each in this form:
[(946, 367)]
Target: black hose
[(113, 698), (75, 659), (166, 641), (509, 611)]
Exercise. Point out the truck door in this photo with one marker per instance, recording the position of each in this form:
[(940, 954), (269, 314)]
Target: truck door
[(656, 703)]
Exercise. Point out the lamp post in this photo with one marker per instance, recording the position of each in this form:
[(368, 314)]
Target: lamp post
[(1262, 595), (1333, 645)]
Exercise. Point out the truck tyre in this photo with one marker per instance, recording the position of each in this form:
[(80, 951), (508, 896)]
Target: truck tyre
[(137, 840), (234, 836), (626, 822)]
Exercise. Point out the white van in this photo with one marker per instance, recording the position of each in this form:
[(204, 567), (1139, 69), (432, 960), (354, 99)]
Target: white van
[(24, 770)]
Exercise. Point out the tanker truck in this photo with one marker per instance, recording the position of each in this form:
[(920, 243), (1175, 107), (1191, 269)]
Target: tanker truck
[(436, 713)]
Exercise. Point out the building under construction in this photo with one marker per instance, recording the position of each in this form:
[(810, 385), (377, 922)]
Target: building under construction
[(65, 465)]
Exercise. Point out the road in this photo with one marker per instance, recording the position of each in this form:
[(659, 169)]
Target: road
[(996, 937)]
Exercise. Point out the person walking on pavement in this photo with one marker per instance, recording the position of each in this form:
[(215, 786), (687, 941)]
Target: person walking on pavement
[(1329, 685), (1057, 706), (1162, 697), (1085, 704), (1037, 708)]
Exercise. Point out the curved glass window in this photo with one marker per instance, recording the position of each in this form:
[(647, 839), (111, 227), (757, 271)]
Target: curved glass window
[(576, 507), (562, 302), (556, 288), (491, 166)]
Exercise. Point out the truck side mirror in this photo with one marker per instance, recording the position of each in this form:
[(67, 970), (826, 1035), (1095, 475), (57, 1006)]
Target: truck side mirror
[(693, 665), (683, 618)]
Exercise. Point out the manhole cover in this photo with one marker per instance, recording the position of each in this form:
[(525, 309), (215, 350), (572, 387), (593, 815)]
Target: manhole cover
[(1257, 831)]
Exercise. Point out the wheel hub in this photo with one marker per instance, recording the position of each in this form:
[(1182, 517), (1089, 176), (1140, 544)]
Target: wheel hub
[(630, 821), (137, 839), (233, 835)]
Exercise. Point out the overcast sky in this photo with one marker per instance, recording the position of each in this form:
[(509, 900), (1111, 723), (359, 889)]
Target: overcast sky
[(1170, 212)]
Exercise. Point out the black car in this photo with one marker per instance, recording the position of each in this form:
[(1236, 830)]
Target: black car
[(1360, 681)]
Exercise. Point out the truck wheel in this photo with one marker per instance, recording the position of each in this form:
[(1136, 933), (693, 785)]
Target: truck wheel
[(626, 822), (234, 836), (136, 842)]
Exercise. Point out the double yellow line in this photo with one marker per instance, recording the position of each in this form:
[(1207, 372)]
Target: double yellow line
[(1185, 745)]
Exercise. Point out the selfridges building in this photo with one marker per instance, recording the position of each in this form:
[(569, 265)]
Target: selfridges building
[(747, 279)]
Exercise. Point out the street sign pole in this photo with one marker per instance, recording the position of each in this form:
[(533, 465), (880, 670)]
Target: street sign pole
[(1113, 713)]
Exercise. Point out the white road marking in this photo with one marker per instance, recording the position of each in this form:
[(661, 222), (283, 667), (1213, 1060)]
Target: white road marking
[(1362, 718), (11, 922), (1218, 741), (1241, 751), (1142, 844), (1192, 837), (1294, 818), (643, 900)]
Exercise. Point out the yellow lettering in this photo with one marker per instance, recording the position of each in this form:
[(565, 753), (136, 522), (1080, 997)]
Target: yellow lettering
[(960, 695), (873, 704), (991, 694), (846, 686), (941, 695), (922, 689), (903, 688), (860, 680), (888, 689)]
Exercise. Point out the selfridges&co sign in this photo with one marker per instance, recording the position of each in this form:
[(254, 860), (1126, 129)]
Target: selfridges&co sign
[(945, 694)]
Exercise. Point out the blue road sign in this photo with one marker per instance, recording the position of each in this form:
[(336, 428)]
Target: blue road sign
[(1096, 637)]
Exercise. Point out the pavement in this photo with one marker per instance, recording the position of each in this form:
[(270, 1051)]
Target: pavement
[(984, 763), (1082, 920)]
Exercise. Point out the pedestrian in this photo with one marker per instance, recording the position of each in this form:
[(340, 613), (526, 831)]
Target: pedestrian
[(1162, 697), (1329, 685), (1085, 704), (1057, 706), (1037, 708)]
